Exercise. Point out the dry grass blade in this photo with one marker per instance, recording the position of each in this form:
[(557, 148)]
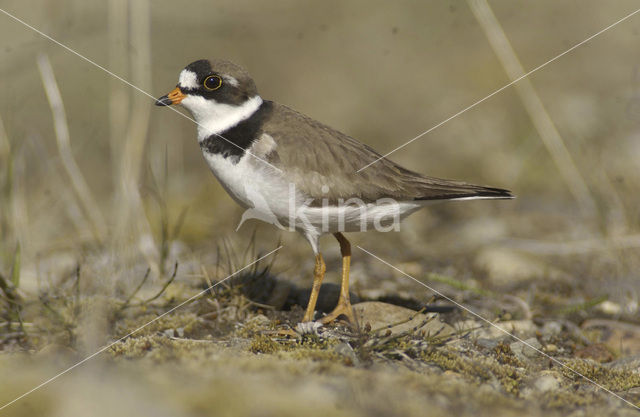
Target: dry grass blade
[(6, 182), (10, 294), (117, 24), (81, 189), (534, 107), (126, 302), (132, 150), (15, 268), (162, 290)]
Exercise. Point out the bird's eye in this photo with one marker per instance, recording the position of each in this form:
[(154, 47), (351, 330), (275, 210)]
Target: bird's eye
[(212, 82)]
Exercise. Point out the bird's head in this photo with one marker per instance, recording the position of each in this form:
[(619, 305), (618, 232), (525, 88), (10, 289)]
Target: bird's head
[(211, 89)]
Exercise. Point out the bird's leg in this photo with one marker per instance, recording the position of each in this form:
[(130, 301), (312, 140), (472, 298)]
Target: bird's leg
[(318, 275), (344, 303)]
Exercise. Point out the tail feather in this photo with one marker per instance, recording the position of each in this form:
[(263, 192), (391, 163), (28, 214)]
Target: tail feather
[(436, 189)]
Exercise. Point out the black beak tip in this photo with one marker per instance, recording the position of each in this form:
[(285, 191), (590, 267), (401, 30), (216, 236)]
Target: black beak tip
[(163, 101)]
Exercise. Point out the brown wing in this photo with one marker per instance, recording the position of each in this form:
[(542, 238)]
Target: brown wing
[(314, 155)]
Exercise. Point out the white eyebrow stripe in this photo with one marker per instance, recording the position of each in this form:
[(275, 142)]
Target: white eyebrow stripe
[(188, 79), (230, 80)]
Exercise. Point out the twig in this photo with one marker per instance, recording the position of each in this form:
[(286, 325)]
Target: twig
[(208, 280), (163, 289), (136, 290)]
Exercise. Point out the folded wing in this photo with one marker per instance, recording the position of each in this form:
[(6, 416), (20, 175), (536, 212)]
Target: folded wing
[(313, 156)]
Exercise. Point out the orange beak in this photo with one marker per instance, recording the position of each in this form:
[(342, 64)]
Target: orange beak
[(174, 97)]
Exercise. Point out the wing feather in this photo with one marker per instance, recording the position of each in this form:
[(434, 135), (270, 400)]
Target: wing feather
[(314, 155)]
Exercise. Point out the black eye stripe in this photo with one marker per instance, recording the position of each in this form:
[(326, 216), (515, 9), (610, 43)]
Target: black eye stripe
[(212, 82)]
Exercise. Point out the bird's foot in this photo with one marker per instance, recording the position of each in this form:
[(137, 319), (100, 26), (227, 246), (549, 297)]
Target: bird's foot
[(342, 309), (309, 327)]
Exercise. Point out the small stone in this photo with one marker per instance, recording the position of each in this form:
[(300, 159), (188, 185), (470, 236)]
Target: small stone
[(520, 328), (506, 266), (597, 352), (346, 350), (527, 349), (258, 320), (551, 328), (619, 337), (629, 363), (609, 307), (399, 319), (551, 348), (546, 383), (487, 343)]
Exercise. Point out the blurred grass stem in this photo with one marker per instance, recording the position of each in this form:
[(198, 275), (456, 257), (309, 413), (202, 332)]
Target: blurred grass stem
[(81, 190), (534, 107)]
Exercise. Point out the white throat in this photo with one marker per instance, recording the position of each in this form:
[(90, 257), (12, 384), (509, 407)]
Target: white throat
[(214, 118)]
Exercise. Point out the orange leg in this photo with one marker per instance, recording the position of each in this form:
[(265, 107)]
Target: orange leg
[(318, 275), (344, 303)]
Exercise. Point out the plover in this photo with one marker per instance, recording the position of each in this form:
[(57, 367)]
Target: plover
[(293, 171)]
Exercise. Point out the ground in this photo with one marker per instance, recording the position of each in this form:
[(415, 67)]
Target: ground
[(232, 350)]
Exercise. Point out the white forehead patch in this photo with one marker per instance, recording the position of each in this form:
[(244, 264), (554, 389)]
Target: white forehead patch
[(188, 79), (230, 80)]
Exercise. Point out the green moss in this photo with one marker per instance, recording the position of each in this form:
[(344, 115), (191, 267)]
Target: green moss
[(264, 344), (161, 349), (312, 341), (566, 399), (135, 347), (505, 356), (186, 321), (318, 355), (474, 369), (255, 325), (614, 380)]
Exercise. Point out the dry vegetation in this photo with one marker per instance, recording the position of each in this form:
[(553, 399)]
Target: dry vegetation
[(114, 237)]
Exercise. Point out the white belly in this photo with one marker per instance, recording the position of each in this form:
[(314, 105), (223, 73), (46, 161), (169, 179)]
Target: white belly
[(266, 194), (251, 183)]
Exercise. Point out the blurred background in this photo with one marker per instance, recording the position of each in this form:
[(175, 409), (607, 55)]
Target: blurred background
[(92, 175)]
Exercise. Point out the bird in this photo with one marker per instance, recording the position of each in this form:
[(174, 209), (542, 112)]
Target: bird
[(290, 170)]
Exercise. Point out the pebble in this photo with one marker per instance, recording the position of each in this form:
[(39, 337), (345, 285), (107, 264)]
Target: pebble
[(629, 363), (619, 337), (551, 328), (487, 343), (346, 350), (520, 328), (526, 351), (505, 267), (544, 382), (547, 382), (597, 352), (609, 307), (380, 315)]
